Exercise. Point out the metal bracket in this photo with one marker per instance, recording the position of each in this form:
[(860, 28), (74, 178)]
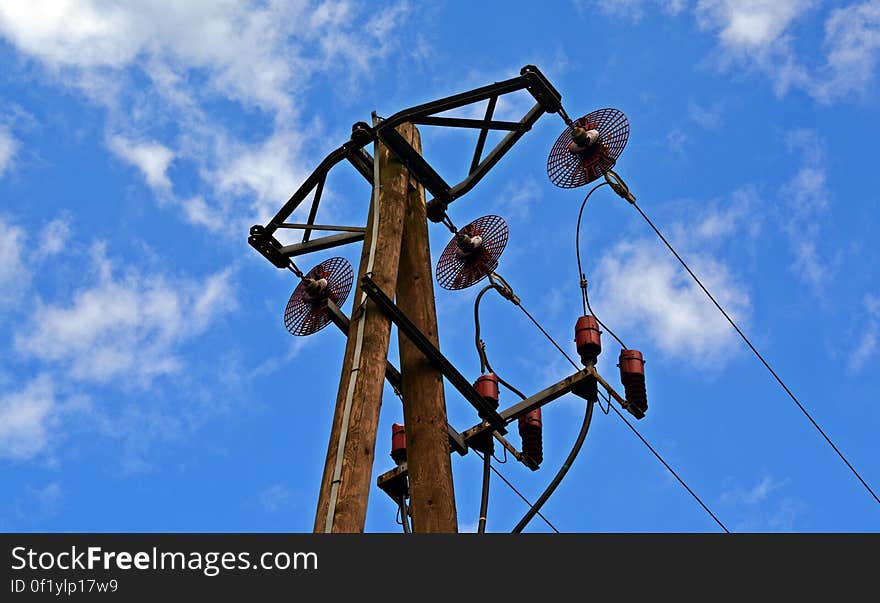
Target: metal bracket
[(395, 483), (392, 375), (543, 397), (433, 355), (631, 409), (548, 100), (321, 244)]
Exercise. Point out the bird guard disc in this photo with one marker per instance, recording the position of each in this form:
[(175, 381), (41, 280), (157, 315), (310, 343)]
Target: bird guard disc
[(305, 313), (569, 168), (459, 268)]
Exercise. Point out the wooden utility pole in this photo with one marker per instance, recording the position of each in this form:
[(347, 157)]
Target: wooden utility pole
[(432, 500), (347, 479), (396, 253)]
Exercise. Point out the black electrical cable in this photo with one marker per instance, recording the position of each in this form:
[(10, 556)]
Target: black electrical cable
[(757, 354), (671, 470), (554, 483), (520, 494), (645, 442), (484, 364), (484, 497), (583, 277), (481, 345), (481, 350), (401, 510), (607, 397)]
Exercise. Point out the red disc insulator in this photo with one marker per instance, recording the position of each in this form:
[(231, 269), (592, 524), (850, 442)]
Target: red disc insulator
[(578, 157), (487, 386), (472, 253), (531, 433), (398, 443), (632, 375), (588, 339), (329, 280)]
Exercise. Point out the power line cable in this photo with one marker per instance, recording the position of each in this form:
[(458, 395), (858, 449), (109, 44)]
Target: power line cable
[(756, 352), (583, 277), (484, 495), (566, 465), (518, 493), (641, 437), (671, 470)]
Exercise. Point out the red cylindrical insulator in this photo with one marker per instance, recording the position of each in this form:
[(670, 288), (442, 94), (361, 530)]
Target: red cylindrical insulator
[(398, 443), (531, 433), (632, 375), (487, 386), (588, 338)]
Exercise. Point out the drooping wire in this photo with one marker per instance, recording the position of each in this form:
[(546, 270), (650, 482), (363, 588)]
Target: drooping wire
[(484, 364), (520, 494), (481, 345), (670, 469), (401, 518), (644, 441), (484, 496), (566, 465), (506, 291), (757, 353), (583, 277)]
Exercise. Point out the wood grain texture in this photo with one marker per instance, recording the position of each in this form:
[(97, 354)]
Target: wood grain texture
[(424, 407)]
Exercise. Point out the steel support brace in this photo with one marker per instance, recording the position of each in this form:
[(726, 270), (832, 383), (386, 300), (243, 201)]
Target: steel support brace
[(414, 162), (434, 356), (321, 244), (531, 79), (631, 409)]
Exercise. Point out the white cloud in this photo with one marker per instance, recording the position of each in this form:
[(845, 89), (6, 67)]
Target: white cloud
[(756, 494), (750, 24), (263, 54), (8, 147), (756, 33), (26, 418), (867, 345), (806, 199), (275, 498), (852, 36), (236, 42), (760, 34), (709, 118), (151, 158), (267, 173), (14, 276), (762, 507), (676, 140), (518, 197), (633, 9), (642, 289), (54, 237), (125, 327)]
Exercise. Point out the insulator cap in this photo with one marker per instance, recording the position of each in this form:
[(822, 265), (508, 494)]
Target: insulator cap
[(632, 375), (398, 443), (531, 433), (487, 386), (588, 339)]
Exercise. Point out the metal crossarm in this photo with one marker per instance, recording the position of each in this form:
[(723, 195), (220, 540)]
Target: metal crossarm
[(434, 356), (392, 375)]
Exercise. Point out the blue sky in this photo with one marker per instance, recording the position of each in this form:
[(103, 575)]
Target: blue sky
[(147, 381)]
